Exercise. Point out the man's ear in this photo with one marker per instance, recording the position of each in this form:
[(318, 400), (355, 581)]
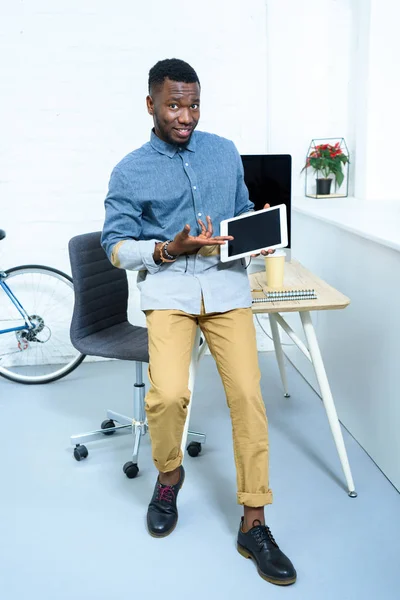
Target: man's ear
[(150, 105)]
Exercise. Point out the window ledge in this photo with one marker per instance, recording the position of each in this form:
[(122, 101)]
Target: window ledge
[(378, 221)]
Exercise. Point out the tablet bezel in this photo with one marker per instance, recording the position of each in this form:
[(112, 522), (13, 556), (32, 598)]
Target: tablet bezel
[(253, 215)]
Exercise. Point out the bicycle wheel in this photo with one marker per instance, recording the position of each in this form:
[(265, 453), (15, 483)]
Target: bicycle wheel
[(42, 352)]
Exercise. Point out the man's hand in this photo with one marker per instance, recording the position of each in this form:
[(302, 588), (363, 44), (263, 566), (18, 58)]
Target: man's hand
[(183, 243), (264, 252)]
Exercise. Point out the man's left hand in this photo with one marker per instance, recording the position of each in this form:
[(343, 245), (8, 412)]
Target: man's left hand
[(264, 252)]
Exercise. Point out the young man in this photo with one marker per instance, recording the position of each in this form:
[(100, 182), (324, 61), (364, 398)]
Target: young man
[(162, 203)]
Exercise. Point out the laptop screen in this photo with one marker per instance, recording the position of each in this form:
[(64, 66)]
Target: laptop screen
[(268, 178)]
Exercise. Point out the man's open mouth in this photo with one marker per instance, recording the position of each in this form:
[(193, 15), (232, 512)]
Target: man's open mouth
[(183, 131)]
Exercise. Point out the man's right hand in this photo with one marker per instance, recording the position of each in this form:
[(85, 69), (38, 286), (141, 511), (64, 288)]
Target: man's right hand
[(183, 243)]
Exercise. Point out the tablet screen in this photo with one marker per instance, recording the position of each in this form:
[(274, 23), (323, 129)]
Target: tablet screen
[(259, 231)]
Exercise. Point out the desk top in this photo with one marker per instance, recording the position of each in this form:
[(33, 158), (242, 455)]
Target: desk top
[(297, 277)]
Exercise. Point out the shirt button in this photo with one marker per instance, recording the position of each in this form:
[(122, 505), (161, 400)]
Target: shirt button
[(186, 164), (199, 214), (194, 187)]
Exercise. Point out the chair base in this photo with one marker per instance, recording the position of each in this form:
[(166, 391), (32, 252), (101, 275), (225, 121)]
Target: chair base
[(126, 424), (137, 426)]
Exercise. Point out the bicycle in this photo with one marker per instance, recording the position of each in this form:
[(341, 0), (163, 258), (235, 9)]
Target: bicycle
[(35, 347)]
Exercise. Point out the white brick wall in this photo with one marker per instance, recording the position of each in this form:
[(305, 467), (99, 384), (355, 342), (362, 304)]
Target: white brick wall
[(73, 85)]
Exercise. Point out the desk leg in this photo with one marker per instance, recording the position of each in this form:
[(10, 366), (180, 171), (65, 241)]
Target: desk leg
[(327, 398), (279, 353)]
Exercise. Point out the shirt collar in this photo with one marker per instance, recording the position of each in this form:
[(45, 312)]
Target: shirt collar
[(170, 149)]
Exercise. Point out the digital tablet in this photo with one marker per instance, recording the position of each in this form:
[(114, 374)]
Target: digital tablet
[(253, 232)]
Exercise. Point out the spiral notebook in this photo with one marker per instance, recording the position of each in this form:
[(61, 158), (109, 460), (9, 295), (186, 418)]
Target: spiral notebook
[(288, 294)]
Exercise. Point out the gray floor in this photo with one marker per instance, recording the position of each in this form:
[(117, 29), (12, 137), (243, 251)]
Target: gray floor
[(77, 530)]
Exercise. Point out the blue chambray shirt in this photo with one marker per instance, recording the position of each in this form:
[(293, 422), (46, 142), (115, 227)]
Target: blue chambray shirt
[(157, 189)]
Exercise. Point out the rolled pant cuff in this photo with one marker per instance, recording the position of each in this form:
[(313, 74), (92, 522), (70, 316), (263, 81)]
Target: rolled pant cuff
[(171, 465), (254, 500)]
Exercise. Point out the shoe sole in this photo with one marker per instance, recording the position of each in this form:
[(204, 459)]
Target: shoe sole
[(163, 535), (248, 554)]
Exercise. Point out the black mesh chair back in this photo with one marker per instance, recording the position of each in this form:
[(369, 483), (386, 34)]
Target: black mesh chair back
[(100, 325)]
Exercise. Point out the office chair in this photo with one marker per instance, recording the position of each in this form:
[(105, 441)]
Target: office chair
[(100, 327)]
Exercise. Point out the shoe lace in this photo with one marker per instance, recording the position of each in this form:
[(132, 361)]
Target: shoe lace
[(165, 493), (262, 534)]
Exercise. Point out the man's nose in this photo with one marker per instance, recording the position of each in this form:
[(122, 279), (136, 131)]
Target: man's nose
[(185, 116)]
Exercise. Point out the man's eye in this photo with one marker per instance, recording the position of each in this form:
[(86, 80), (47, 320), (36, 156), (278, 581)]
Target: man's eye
[(195, 106), (174, 105)]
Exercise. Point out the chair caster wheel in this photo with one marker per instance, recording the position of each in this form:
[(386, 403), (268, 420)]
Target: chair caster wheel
[(130, 470), (80, 452), (194, 449), (106, 425)]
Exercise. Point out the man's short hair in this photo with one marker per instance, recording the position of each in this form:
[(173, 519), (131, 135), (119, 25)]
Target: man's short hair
[(174, 69)]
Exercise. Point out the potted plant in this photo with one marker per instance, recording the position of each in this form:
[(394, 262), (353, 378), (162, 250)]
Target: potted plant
[(326, 159)]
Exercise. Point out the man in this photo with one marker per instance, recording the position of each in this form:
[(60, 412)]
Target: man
[(163, 202)]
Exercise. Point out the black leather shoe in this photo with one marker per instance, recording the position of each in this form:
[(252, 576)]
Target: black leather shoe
[(259, 544), (162, 514)]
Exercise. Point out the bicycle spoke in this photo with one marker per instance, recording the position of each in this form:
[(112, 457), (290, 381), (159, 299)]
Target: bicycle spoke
[(45, 350)]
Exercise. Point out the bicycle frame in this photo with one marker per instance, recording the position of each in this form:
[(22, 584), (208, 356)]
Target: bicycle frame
[(28, 324)]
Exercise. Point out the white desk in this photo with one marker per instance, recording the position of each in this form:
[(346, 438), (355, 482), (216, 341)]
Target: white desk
[(296, 277)]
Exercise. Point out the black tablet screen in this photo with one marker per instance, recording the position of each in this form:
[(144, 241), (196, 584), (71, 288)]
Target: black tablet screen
[(259, 231)]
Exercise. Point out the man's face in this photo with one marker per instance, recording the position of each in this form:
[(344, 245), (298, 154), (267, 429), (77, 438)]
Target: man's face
[(175, 107)]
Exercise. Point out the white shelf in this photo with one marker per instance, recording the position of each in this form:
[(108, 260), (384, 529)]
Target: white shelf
[(378, 220), (326, 196)]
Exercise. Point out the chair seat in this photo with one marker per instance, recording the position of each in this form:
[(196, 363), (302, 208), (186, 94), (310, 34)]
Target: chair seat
[(123, 341)]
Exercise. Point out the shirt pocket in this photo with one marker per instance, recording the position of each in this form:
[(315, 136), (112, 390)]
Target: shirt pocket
[(158, 211), (155, 211)]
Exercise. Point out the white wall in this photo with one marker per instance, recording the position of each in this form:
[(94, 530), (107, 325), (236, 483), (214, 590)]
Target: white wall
[(73, 89), (359, 98), (382, 118), (308, 76), (360, 344), (73, 83)]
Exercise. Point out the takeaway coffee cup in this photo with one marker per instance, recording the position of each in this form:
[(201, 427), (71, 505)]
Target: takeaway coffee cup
[(275, 267)]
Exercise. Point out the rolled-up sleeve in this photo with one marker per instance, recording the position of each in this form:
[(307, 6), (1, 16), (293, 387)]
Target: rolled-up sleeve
[(122, 228)]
